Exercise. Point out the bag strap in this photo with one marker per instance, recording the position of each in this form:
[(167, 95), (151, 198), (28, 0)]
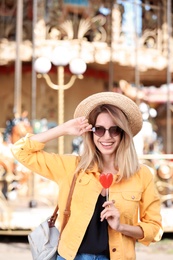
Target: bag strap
[(53, 218)]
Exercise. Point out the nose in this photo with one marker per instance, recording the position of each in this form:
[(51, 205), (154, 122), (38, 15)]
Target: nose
[(107, 134)]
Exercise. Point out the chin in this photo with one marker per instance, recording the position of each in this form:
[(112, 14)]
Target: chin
[(107, 152)]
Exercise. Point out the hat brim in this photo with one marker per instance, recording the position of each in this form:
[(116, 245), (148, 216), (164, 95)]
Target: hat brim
[(125, 104)]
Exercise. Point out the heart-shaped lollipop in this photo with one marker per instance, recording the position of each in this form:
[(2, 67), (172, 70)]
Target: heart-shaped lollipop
[(106, 180)]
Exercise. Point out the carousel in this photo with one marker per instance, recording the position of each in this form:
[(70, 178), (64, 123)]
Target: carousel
[(125, 46)]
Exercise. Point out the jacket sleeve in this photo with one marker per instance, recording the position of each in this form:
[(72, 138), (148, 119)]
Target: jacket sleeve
[(52, 166), (150, 210)]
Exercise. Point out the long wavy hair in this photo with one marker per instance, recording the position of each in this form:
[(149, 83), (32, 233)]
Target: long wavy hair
[(125, 156)]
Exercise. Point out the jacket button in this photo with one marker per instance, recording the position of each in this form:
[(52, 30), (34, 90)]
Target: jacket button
[(133, 197), (80, 181), (114, 249)]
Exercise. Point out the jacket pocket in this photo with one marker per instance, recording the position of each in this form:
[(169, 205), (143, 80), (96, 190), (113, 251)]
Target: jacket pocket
[(84, 180), (130, 203), (82, 187)]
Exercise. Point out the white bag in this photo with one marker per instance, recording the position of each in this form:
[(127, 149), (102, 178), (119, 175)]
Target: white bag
[(44, 242), (44, 239)]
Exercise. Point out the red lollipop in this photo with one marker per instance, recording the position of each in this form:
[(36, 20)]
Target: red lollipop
[(106, 180)]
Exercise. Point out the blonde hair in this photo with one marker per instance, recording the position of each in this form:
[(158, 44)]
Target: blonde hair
[(125, 156)]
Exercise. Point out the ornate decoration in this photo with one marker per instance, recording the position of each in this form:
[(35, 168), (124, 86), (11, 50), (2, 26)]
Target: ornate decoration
[(87, 38)]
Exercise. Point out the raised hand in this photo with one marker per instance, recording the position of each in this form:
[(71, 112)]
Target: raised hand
[(77, 126)]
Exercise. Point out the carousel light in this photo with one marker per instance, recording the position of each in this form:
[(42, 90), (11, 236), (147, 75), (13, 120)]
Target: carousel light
[(60, 56), (153, 112), (42, 65), (164, 172), (77, 66)]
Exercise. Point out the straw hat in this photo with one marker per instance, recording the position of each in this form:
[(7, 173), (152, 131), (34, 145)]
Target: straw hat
[(125, 104)]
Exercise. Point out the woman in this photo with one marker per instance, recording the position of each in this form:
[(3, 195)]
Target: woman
[(99, 227)]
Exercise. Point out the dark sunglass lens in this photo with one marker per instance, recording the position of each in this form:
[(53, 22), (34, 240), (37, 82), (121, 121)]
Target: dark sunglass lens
[(99, 130), (115, 130)]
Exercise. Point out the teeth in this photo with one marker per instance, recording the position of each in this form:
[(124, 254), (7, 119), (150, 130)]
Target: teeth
[(106, 144)]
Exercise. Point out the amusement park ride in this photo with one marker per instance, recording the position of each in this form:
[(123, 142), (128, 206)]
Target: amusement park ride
[(25, 198)]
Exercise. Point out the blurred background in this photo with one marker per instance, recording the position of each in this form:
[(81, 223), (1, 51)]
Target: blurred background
[(53, 54)]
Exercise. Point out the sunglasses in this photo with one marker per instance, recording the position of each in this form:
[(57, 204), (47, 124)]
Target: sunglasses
[(113, 131)]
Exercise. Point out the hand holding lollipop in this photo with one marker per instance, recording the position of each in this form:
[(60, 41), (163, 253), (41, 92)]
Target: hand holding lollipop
[(106, 180)]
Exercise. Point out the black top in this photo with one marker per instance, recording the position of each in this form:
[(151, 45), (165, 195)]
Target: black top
[(95, 240)]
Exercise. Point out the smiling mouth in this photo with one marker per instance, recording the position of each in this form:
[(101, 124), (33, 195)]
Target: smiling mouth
[(106, 144)]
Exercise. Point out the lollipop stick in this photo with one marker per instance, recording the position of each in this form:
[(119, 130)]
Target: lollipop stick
[(107, 194)]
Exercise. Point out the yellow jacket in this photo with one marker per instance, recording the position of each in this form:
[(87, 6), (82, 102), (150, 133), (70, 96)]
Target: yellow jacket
[(136, 199)]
